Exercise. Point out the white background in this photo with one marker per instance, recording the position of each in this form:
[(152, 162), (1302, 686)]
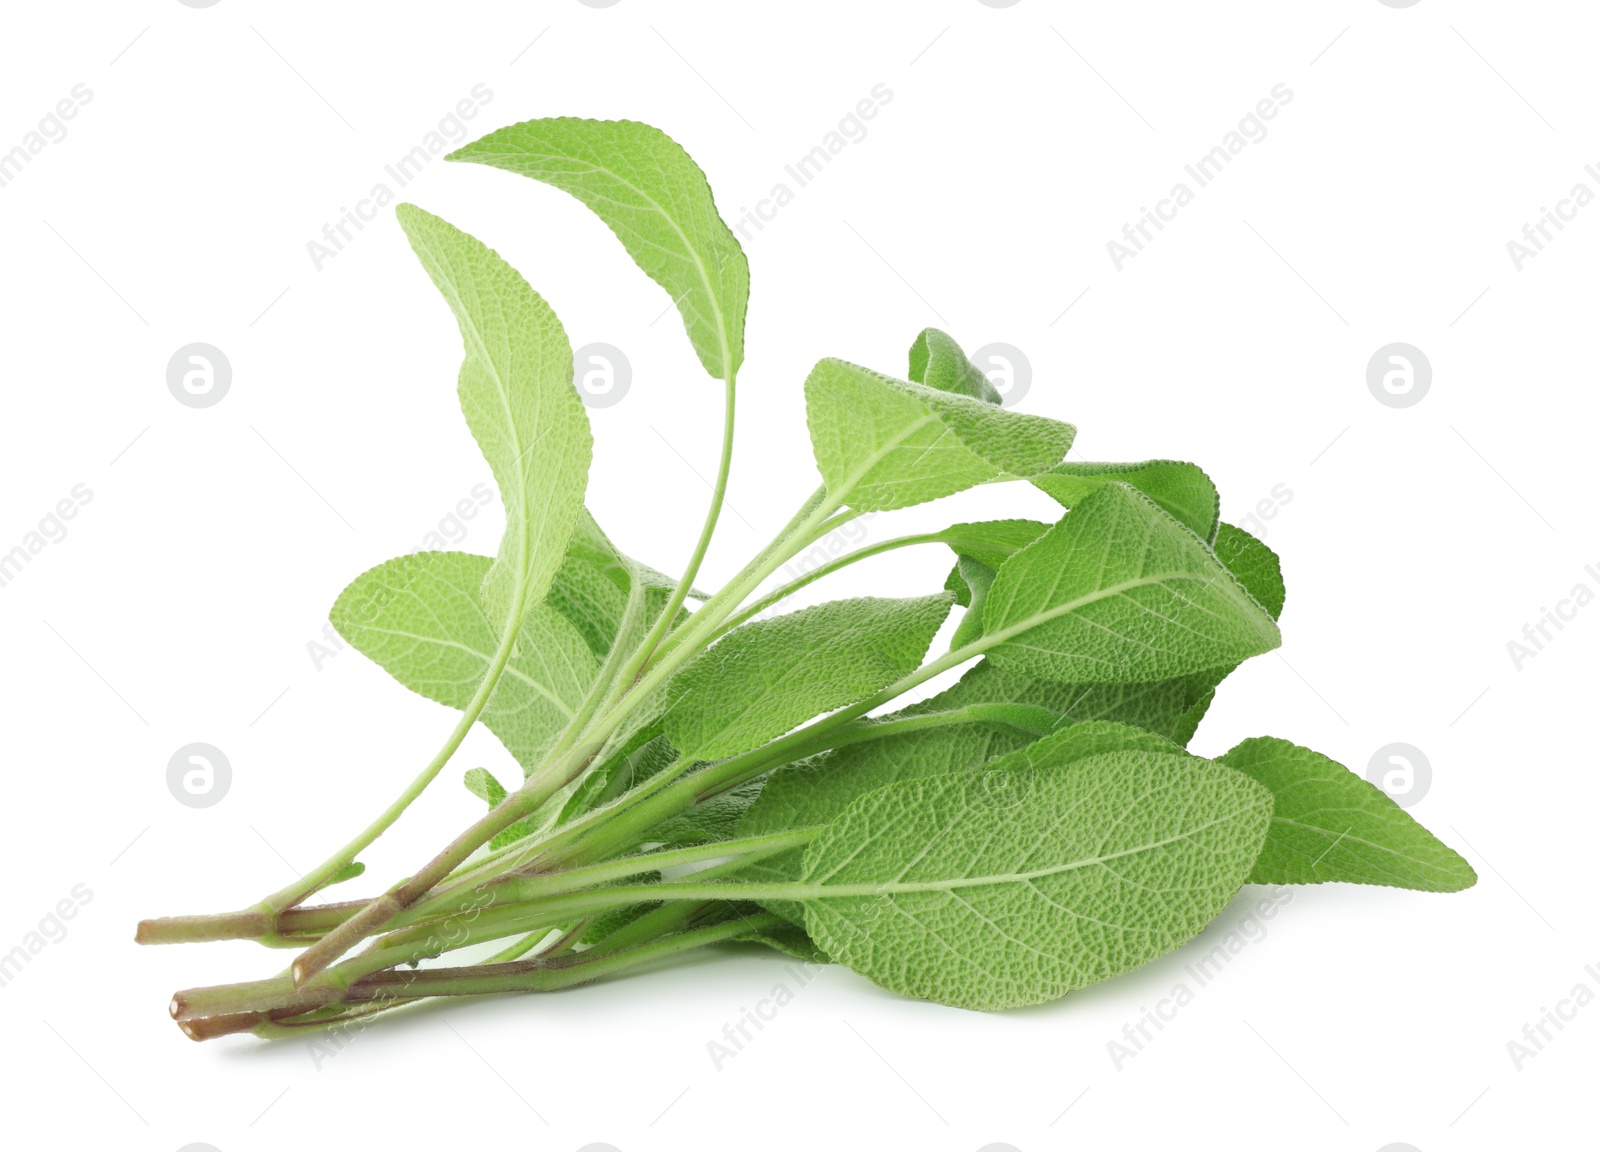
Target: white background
[(1417, 542)]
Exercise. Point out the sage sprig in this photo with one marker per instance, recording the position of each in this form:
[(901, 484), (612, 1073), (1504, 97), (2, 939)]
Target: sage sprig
[(1038, 826)]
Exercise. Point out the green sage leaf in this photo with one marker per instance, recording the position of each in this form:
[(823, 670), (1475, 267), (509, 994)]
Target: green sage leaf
[(421, 619), (1119, 591), (1328, 824), (1179, 488), (938, 361), (1254, 564), (655, 198), (882, 443), (998, 889), (764, 678), (516, 391)]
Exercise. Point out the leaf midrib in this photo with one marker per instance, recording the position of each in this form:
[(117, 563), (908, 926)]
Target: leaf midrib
[(699, 265), (1027, 623), (804, 891), (502, 391), (510, 669), (1362, 840)]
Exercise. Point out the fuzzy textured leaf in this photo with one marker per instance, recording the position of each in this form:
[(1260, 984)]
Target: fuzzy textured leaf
[(882, 443), (1328, 825), (516, 391), (938, 361), (764, 678), (1254, 564), (1119, 591), (1179, 488), (655, 198), (998, 889), (420, 618), (815, 790)]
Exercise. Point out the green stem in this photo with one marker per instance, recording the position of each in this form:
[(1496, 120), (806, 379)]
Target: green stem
[(555, 774), (785, 591), (294, 925), (322, 874), (534, 975), (629, 819), (670, 917), (686, 581), (695, 633), (727, 598)]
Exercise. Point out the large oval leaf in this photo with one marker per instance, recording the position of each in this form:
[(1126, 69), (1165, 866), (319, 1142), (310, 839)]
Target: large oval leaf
[(816, 790), (998, 889)]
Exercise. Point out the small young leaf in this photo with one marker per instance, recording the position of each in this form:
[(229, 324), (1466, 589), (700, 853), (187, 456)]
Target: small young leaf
[(711, 820), (420, 618), (977, 577), (1201, 689), (655, 198), (997, 889), (883, 443), (482, 784), (1179, 488), (1119, 591), (516, 391), (1328, 824), (1253, 564), (644, 756), (349, 872), (938, 361), (764, 678)]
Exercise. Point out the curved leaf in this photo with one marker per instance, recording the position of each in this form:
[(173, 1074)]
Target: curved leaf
[(938, 361), (882, 443), (1255, 565), (420, 618), (1119, 591), (655, 198), (1179, 488), (516, 391), (1328, 824)]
